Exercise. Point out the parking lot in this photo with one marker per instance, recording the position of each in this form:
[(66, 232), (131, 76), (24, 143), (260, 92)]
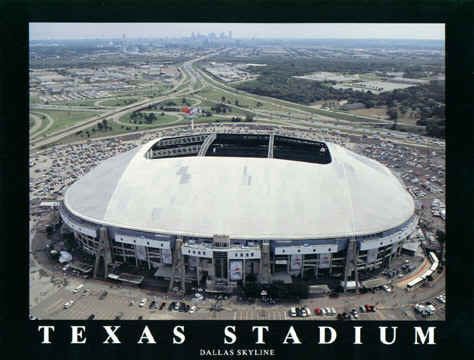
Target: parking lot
[(122, 302)]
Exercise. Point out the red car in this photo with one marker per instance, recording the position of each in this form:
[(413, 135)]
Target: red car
[(370, 308), (317, 311)]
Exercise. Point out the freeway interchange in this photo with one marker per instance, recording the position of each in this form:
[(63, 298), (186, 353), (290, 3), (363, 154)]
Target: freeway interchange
[(195, 83)]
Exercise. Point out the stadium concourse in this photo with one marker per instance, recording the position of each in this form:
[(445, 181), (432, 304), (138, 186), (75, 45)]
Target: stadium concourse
[(216, 209)]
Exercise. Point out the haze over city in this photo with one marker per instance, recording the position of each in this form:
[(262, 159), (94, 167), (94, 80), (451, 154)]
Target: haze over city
[(45, 31)]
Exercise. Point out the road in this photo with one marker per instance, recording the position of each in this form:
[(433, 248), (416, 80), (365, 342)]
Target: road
[(119, 112), (194, 79), (50, 120)]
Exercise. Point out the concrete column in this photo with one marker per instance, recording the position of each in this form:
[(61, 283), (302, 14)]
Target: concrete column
[(302, 266), (316, 266), (330, 265), (148, 257), (198, 263)]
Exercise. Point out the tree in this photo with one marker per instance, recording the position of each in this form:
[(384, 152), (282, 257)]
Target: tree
[(248, 117), (237, 102), (392, 113), (223, 99)]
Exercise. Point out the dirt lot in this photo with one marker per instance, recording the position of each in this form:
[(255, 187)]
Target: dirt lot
[(378, 112)]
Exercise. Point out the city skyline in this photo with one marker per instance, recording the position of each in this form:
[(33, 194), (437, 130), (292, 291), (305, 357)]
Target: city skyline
[(65, 31)]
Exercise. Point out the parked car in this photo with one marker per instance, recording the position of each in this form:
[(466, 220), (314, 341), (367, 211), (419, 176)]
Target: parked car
[(370, 308), (91, 317), (171, 306), (303, 312), (68, 304), (333, 311), (292, 312), (102, 295), (142, 302), (152, 304), (317, 311), (192, 309), (362, 309), (387, 288), (355, 314), (77, 289), (163, 304)]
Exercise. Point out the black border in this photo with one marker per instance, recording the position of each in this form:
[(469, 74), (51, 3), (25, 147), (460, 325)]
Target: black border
[(454, 335)]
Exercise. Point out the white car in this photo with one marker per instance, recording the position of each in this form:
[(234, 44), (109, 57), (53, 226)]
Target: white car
[(76, 290), (68, 304), (333, 311), (193, 309), (324, 311), (308, 311), (142, 302), (293, 312), (387, 288)]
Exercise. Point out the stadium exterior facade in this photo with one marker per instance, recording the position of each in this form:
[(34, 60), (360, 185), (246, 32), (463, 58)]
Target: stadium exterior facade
[(218, 208)]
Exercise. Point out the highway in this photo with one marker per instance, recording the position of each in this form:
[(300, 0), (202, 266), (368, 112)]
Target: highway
[(194, 80)]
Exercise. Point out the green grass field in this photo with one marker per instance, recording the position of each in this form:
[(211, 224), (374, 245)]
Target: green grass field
[(43, 119), (84, 102), (63, 119), (117, 129), (120, 101), (160, 121)]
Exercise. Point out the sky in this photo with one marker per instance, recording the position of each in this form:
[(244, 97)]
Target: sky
[(43, 31)]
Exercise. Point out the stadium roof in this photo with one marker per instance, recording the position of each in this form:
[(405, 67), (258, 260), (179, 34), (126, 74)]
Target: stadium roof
[(246, 198)]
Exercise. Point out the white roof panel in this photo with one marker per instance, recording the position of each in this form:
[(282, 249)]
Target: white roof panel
[(249, 198)]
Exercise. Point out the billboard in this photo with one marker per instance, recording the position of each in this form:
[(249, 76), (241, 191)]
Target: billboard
[(372, 255), (192, 261), (235, 269), (140, 251), (296, 262), (166, 256), (324, 261), (394, 248)]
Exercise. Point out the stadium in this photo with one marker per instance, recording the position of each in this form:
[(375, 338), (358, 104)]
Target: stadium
[(216, 209)]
